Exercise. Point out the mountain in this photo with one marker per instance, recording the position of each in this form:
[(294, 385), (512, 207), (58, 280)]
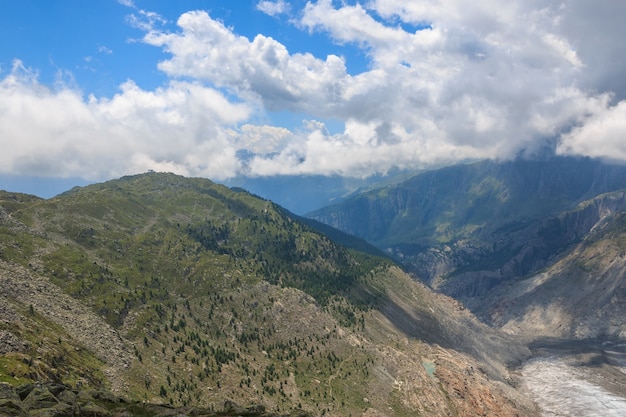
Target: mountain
[(472, 200), (190, 296), (579, 294), (448, 221), (535, 248)]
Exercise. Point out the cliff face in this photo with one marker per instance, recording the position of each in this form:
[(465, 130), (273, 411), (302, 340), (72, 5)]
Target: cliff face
[(580, 295)]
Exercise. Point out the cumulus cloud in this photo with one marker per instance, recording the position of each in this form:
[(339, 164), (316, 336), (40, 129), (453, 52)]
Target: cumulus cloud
[(181, 127), (261, 69), (602, 134), (492, 80), (446, 82), (272, 8)]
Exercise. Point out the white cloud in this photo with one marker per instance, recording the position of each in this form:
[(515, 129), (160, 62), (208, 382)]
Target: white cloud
[(180, 127), (602, 134), (272, 8), (447, 81), (261, 69), (351, 24), (261, 139), (145, 20), (105, 50)]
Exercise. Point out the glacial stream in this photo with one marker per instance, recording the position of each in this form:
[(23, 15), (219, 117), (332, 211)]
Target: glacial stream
[(578, 379)]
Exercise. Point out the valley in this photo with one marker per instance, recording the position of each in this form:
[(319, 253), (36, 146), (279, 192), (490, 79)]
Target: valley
[(533, 248), (434, 296), (186, 294)]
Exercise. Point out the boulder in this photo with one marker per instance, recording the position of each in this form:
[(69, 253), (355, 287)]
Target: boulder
[(10, 402), (40, 397)]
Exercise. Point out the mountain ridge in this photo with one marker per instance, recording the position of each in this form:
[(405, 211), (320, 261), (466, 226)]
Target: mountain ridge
[(207, 294), (450, 203)]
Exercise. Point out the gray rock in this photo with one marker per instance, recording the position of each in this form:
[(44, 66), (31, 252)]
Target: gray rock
[(10, 343), (7, 392), (38, 398), (67, 397), (93, 410), (10, 402), (23, 390), (10, 408)]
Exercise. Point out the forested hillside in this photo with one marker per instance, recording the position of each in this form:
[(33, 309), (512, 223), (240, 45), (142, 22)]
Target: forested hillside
[(181, 292)]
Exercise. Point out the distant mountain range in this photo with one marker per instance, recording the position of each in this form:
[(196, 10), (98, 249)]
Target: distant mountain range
[(301, 194), (497, 235)]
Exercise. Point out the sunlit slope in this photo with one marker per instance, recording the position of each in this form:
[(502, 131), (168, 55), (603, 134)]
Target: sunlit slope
[(183, 292)]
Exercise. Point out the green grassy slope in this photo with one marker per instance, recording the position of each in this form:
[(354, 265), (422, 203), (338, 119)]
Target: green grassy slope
[(179, 291), (179, 265)]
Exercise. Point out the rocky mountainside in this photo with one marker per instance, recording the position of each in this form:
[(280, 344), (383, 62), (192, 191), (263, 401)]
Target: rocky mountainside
[(581, 293), (187, 295), (536, 248), (476, 217)]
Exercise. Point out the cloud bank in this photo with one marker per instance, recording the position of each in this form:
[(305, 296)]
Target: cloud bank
[(446, 82)]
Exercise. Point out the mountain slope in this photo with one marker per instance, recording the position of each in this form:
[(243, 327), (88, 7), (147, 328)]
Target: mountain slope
[(534, 248), (470, 222), (180, 291), (578, 296), (470, 201)]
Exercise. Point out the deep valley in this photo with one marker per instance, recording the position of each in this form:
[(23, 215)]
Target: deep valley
[(440, 295)]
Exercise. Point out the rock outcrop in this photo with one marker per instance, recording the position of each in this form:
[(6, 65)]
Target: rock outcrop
[(58, 400)]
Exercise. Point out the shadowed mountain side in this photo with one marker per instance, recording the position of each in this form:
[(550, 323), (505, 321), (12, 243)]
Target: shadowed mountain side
[(518, 251), (342, 238), (470, 201), (580, 295), (466, 230), (437, 319)]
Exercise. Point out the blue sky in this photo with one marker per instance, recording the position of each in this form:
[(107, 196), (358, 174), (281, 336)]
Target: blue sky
[(94, 90), (98, 47)]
